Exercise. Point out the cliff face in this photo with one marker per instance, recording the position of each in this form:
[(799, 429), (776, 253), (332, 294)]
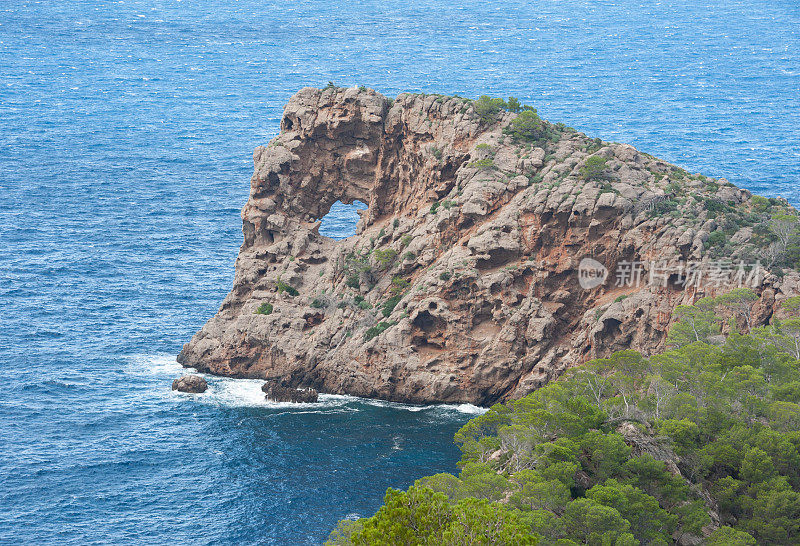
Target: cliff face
[(474, 235)]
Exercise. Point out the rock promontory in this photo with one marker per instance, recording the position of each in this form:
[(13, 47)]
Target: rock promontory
[(497, 250)]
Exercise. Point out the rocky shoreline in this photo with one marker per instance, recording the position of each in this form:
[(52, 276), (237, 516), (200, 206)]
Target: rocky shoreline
[(464, 280)]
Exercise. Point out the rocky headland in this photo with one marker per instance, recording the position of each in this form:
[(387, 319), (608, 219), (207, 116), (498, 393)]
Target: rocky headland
[(463, 281)]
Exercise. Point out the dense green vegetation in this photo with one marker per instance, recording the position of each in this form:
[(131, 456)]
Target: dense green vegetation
[(702, 440), (771, 226)]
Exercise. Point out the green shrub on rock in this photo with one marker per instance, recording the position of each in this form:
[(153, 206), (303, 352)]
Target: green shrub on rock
[(527, 126), (716, 238), (353, 281), (593, 168), (513, 105), (385, 257), (264, 309), (283, 287), (377, 330), (389, 305), (481, 164), (487, 108)]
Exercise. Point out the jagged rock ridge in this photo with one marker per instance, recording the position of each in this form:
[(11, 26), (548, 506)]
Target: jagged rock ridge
[(461, 283)]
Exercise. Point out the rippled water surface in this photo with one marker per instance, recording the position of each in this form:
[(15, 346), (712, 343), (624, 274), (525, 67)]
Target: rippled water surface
[(126, 130)]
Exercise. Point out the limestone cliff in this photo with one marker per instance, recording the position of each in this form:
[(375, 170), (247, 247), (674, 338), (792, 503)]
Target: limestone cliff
[(461, 284)]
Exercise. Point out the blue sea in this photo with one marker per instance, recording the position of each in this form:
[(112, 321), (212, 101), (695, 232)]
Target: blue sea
[(126, 133)]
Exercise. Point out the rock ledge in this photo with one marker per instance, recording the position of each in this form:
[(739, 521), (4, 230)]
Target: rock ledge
[(278, 393)]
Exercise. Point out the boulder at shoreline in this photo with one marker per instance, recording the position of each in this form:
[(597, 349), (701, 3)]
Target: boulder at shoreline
[(190, 383)]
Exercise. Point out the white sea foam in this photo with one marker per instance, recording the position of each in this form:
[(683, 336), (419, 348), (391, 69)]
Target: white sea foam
[(459, 408), (467, 408), (159, 365), (232, 392)]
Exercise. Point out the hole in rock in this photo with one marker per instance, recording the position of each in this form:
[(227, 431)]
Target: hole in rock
[(341, 220)]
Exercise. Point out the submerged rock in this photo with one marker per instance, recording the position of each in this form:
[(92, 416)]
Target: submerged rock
[(466, 280), (190, 383), (278, 393)]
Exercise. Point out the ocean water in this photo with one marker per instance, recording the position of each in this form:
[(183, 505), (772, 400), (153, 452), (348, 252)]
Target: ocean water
[(126, 132)]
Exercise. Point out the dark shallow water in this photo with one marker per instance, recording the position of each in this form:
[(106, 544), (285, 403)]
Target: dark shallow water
[(126, 130)]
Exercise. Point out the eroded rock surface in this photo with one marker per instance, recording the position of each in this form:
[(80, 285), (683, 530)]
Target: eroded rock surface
[(461, 284)]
